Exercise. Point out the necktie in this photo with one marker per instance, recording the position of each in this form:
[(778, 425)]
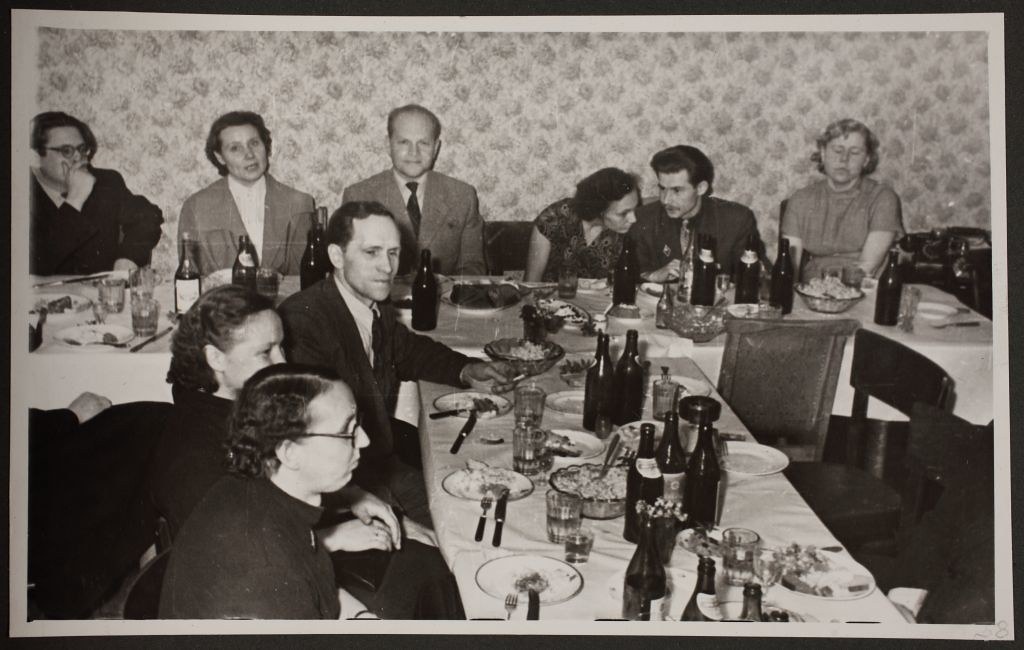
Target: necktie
[(377, 340), (413, 208)]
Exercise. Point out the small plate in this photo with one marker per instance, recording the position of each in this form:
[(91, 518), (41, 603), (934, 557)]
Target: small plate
[(573, 316), (846, 573), (592, 284), (935, 310), (464, 400), (653, 288), (79, 305), (81, 335), (569, 402), (752, 459), (630, 433), (475, 484), (513, 574), (589, 445)]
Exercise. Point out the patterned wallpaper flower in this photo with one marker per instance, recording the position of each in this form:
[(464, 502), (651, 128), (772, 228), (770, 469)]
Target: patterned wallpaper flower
[(526, 115)]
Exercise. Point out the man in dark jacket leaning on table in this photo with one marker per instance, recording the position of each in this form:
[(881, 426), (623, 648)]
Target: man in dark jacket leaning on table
[(347, 323)]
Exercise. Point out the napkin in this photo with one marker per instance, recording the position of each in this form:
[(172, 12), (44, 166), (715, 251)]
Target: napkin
[(665, 346)]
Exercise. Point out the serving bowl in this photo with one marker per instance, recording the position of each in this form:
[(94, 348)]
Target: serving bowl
[(697, 323), (828, 304), (511, 350), (573, 370), (584, 475)]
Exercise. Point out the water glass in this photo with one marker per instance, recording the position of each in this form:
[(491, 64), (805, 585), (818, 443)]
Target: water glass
[(145, 314), (664, 398), (530, 453), (739, 548), (769, 311), (909, 299), (567, 282), (142, 281), (564, 515), (578, 545), (529, 407), (266, 283), (112, 294), (853, 276)]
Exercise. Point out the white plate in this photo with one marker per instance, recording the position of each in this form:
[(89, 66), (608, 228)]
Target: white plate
[(743, 310), (934, 310), (79, 305), (690, 385), (589, 445), (474, 484), (752, 459), (573, 316), (847, 572), (502, 576), (84, 335), (653, 288), (464, 400), (592, 284), (569, 402)]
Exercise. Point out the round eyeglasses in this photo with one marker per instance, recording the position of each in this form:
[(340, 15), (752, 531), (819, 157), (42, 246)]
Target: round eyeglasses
[(68, 150)]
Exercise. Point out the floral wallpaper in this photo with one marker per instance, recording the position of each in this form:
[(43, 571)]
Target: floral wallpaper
[(526, 115)]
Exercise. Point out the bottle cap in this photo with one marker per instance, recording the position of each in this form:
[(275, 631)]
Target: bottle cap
[(700, 409)]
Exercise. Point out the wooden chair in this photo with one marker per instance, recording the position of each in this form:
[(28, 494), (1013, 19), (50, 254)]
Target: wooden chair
[(143, 601), (780, 376)]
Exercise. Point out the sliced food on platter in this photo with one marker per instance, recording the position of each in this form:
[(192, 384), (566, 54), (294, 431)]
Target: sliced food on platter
[(573, 316), (553, 580), (59, 304), (487, 405)]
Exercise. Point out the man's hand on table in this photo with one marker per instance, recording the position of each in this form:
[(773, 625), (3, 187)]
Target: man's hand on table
[(492, 377), (369, 508), (665, 274)]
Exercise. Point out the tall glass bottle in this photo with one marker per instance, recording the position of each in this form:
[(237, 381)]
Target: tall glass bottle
[(751, 603), (663, 312), (597, 398), (323, 260), (748, 274), (671, 460), (643, 482), (310, 269), (704, 272), (889, 291), (628, 384), (703, 597), (703, 475), (781, 293), (644, 584), (424, 295), (188, 283), (626, 275), (243, 273)]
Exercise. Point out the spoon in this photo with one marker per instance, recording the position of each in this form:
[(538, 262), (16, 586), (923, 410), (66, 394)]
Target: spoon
[(613, 446)]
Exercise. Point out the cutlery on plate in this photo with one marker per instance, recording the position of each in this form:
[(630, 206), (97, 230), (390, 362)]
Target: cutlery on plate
[(499, 518), (511, 602), (485, 505), (84, 278), (445, 414), (959, 323), (613, 446), (156, 336), (533, 606), (466, 428), (113, 345)]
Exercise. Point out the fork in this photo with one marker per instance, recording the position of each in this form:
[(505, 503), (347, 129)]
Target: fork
[(628, 457), (511, 601), (485, 503)]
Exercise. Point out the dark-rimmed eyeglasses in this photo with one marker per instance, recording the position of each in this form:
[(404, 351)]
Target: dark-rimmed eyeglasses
[(68, 150), (351, 437)]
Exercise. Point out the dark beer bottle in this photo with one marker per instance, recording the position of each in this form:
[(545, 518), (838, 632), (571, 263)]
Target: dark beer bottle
[(704, 271), (188, 283), (889, 292), (703, 598), (782, 279), (748, 274), (243, 273), (644, 584), (628, 384), (310, 271), (643, 482), (424, 295), (751, 603), (671, 459), (626, 274), (703, 474), (597, 398), (323, 260)]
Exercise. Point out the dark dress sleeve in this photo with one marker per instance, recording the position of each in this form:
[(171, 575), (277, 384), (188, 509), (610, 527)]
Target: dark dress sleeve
[(138, 219), (419, 357)]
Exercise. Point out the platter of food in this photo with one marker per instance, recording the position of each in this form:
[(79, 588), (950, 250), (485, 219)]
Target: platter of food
[(58, 305), (573, 369), (603, 497), (482, 299), (569, 402), (573, 316), (81, 335), (526, 357), (592, 284), (816, 573), (480, 480), (487, 405), (568, 445), (553, 580)]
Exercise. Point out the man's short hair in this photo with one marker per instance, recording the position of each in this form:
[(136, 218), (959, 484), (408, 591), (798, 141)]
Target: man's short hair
[(414, 108), (844, 127), (684, 157), (42, 123), (340, 226), (234, 118)]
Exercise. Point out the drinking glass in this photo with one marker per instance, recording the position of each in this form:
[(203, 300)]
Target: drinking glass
[(578, 545), (112, 294), (567, 281), (266, 283), (564, 515), (530, 454), (145, 314), (664, 397), (768, 311), (529, 407), (739, 548), (723, 281), (909, 299), (853, 276), (142, 281)]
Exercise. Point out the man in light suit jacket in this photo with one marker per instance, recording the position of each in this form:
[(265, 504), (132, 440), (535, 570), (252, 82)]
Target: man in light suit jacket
[(432, 210), (247, 200)]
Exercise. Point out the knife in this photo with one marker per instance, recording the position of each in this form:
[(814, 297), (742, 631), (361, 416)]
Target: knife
[(466, 428), (499, 518), (444, 414), (533, 607), (151, 339), (84, 278)]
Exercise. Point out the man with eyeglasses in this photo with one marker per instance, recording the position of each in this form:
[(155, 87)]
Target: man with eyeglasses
[(83, 219)]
